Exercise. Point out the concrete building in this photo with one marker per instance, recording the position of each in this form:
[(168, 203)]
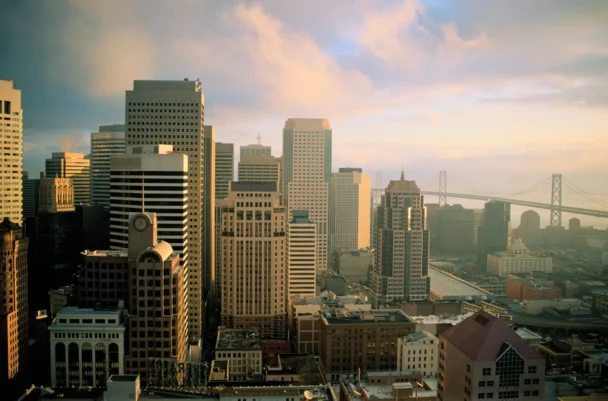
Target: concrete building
[(103, 279), (224, 169), (401, 262), (219, 206), (457, 230), (301, 255), (530, 337), (365, 340), (350, 210), (483, 358), (87, 347), (110, 140), (419, 352), (256, 149), (173, 113), (517, 259), (13, 299), (307, 149), (437, 324), (241, 350), (31, 196), (254, 264), (528, 287), (529, 229), (256, 164), (56, 195), (11, 164), (209, 222), (494, 230), (75, 166)]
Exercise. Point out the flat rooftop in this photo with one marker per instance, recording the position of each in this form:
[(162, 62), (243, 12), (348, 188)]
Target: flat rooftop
[(441, 319), (71, 311), (105, 253), (527, 334), (237, 339), (446, 286), (366, 317)]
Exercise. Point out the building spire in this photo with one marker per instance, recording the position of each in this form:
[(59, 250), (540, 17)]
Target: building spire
[(402, 174)]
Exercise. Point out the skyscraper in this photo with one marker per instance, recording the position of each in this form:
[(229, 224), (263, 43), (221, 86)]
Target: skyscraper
[(457, 230), (253, 261), (31, 188), (256, 149), (209, 229), (307, 170), (173, 113), (350, 209), (401, 262), (72, 165), (494, 230), (301, 255), (224, 169), (529, 229), (108, 141), (11, 164), (258, 168)]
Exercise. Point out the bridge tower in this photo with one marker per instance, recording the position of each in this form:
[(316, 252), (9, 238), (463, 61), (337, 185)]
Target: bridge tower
[(556, 201), (443, 188)]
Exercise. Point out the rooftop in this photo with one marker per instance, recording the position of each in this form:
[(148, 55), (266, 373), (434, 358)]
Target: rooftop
[(306, 392), (417, 336), (366, 317), (527, 334), (123, 378), (304, 365), (237, 339), (438, 319), (300, 217), (446, 286), (105, 253)]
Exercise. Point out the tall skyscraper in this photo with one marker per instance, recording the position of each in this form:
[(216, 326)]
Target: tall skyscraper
[(307, 172), (72, 165), (258, 168), (401, 262), (457, 230), (209, 229), (494, 230), (173, 113), (253, 262), (31, 188), (11, 164), (256, 149), (224, 169), (350, 209), (301, 255), (13, 300), (110, 140), (529, 229)]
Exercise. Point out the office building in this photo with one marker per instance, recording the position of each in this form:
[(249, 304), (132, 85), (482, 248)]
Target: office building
[(11, 164), (301, 255), (256, 149), (224, 169), (517, 259), (74, 166), (256, 164), (87, 347), (13, 300), (104, 279), (457, 230), (350, 210), (254, 264), (345, 345), (56, 195), (529, 229), (31, 195), (307, 149), (418, 352), (401, 261), (110, 140), (219, 206), (483, 358), (172, 113), (494, 230), (209, 229), (531, 286), (241, 350)]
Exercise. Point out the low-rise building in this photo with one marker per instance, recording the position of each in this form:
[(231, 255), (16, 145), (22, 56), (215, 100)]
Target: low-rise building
[(389, 386), (529, 336), (418, 352), (537, 307), (448, 287), (517, 259), (278, 393), (242, 351), (529, 287), (60, 298)]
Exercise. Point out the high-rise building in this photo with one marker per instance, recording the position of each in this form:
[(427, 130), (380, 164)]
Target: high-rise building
[(172, 113), (574, 225), (457, 230), (13, 300), (301, 255), (11, 164), (256, 164), (256, 149), (224, 169), (254, 292), (56, 195), (307, 150), (494, 230), (31, 188), (110, 140), (483, 358), (350, 209), (529, 229), (219, 206), (74, 166), (401, 262), (209, 229)]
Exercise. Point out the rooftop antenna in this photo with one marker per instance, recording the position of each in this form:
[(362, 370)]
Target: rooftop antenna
[(259, 138)]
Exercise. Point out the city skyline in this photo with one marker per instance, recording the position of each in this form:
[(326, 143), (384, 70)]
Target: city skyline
[(451, 79)]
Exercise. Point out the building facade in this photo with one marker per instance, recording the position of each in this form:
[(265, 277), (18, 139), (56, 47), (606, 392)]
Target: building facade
[(418, 352), (401, 262), (528, 287), (457, 230), (517, 259), (75, 166), (110, 140), (173, 113), (301, 255), (350, 210), (56, 195), (254, 264), (31, 196), (256, 149), (241, 350), (307, 150), (209, 229), (224, 169), (87, 347), (11, 163), (494, 230), (103, 279)]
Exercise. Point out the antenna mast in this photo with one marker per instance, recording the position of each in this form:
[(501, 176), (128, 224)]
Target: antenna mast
[(259, 138)]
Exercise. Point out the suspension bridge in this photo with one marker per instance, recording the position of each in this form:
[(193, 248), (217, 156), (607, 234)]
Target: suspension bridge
[(564, 196)]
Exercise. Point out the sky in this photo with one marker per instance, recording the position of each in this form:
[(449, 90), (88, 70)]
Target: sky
[(501, 94)]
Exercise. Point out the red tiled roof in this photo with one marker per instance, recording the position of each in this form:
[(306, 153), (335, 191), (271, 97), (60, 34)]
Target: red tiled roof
[(482, 335)]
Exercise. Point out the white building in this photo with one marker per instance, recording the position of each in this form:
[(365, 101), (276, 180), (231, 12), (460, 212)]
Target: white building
[(87, 347), (307, 149), (241, 349), (419, 352), (108, 141), (350, 209), (301, 255), (75, 166), (11, 164), (517, 260), (173, 113), (531, 337)]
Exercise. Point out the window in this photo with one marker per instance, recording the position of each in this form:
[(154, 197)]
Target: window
[(490, 395), (534, 381), (527, 381), (508, 394), (482, 384), (491, 383), (481, 396), (531, 369), (509, 367), (487, 371), (526, 394), (535, 393), (468, 368)]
